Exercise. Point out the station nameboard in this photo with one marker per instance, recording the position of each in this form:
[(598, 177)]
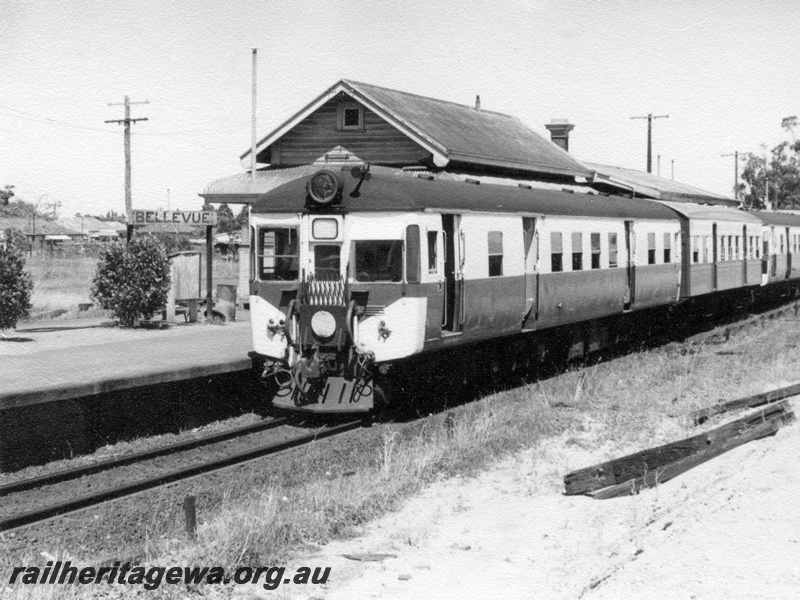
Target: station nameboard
[(189, 217)]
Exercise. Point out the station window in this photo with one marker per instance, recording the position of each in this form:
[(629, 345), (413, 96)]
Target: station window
[(612, 250), (651, 248), (327, 262), (695, 248), (667, 248), (278, 255), (594, 238), (433, 249), (495, 253), (556, 252), (350, 116), (577, 251)]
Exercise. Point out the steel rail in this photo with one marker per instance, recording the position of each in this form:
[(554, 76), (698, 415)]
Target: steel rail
[(129, 489), (113, 463)]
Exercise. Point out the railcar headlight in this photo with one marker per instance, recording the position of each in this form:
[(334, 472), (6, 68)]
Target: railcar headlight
[(324, 187), (323, 324)]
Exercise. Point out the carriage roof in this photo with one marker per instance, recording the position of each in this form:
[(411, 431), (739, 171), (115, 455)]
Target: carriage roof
[(389, 190)]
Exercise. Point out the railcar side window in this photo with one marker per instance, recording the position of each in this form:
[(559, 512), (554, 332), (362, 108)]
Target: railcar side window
[(278, 255), (730, 247), (577, 251), (433, 257), (705, 248), (595, 239), (651, 248), (495, 253), (612, 250), (556, 252), (695, 248), (327, 262), (378, 260), (667, 248), (736, 248)]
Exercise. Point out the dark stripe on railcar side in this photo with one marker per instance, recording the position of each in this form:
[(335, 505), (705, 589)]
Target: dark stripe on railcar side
[(565, 298), (656, 285)]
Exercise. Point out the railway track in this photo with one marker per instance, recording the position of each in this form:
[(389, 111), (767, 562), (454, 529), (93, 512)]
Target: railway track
[(129, 488)]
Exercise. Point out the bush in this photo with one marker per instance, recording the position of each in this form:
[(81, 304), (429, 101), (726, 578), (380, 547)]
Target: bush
[(132, 280), (15, 283)]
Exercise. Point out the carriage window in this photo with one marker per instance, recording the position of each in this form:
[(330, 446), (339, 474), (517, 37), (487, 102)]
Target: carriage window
[(577, 251), (556, 253), (595, 239), (651, 248), (378, 260), (612, 250), (667, 248), (736, 248), (781, 243), (327, 262), (433, 259), (730, 247), (495, 253), (278, 255), (413, 254), (705, 248), (695, 248)]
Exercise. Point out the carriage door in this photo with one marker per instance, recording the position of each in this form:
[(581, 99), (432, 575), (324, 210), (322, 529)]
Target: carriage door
[(788, 255), (453, 309), (714, 256), (630, 241), (531, 276)]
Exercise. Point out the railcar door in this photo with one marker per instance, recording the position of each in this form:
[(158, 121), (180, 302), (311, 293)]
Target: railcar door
[(531, 276), (714, 256), (453, 310), (788, 255), (630, 241)]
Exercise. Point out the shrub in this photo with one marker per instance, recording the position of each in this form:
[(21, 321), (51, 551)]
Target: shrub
[(132, 280), (15, 283)]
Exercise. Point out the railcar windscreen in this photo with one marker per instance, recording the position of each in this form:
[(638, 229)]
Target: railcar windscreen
[(379, 260), (278, 256), (327, 262)]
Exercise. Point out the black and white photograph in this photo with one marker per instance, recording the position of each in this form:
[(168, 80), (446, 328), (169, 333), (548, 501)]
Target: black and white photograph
[(332, 300)]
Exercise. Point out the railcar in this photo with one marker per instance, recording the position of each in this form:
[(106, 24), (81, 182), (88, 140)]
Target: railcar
[(361, 274)]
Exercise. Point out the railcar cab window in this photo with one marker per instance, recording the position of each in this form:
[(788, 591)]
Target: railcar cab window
[(278, 255), (327, 262), (651, 248), (378, 260), (556, 252), (495, 253), (433, 259), (695, 248)]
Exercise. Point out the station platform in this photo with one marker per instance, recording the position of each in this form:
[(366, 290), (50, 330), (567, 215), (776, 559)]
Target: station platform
[(50, 361)]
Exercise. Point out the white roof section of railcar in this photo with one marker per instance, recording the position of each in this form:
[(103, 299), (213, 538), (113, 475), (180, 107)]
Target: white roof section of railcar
[(710, 212)]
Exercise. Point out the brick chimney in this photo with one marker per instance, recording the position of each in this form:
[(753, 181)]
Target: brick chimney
[(559, 132)]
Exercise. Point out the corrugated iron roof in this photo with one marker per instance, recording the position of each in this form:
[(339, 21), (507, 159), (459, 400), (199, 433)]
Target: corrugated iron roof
[(394, 190), (652, 186), (456, 134), (711, 212), (777, 218), (42, 226)]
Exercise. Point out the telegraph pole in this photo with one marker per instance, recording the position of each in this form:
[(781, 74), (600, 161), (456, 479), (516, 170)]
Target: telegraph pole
[(127, 122), (650, 117), (736, 154)]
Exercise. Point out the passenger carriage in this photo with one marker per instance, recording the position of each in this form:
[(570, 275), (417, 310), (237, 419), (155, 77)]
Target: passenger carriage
[(355, 273)]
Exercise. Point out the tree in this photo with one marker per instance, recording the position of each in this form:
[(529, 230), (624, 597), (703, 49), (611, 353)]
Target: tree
[(132, 281), (6, 194), (16, 284), (780, 168), (226, 222), (241, 218)]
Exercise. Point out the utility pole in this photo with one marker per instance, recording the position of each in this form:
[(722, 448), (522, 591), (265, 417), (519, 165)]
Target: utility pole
[(127, 122), (650, 117), (736, 154), (673, 169)]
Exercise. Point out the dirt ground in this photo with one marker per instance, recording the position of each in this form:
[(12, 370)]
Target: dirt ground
[(729, 528)]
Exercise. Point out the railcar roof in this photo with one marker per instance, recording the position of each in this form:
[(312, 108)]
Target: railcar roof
[(393, 191), (710, 212), (776, 218)]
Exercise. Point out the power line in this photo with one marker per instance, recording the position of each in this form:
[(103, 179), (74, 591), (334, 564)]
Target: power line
[(650, 117), (127, 123)]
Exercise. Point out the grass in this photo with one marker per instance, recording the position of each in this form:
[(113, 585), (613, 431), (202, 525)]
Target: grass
[(269, 513), (61, 284)]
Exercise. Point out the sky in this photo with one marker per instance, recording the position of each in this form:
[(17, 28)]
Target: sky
[(724, 72)]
